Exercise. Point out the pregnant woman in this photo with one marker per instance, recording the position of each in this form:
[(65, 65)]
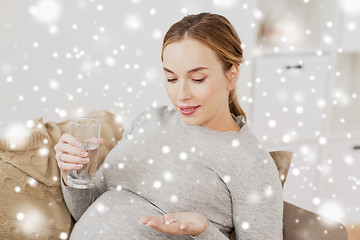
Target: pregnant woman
[(188, 171)]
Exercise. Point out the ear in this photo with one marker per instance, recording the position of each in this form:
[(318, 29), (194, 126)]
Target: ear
[(232, 76)]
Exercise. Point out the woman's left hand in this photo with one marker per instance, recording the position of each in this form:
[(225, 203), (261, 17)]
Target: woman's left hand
[(186, 223)]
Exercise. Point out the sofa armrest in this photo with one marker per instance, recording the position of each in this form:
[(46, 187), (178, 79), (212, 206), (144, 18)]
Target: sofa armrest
[(300, 224)]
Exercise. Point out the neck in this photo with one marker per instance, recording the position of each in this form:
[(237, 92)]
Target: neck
[(228, 124)]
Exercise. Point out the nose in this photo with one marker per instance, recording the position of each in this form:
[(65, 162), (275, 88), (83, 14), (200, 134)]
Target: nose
[(184, 91)]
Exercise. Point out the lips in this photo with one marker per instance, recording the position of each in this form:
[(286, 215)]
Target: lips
[(187, 107), (189, 110)]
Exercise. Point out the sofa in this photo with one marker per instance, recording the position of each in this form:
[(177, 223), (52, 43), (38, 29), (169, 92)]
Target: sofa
[(32, 205)]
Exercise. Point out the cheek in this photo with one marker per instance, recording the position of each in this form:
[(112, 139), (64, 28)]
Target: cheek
[(170, 91), (208, 93), (216, 93)]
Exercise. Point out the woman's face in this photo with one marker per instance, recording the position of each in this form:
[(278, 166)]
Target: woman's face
[(195, 77)]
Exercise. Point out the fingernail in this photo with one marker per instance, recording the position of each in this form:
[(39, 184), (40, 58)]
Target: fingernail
[(85, 160), (80, 165), (182, 227), (77, 142), (84, 153)]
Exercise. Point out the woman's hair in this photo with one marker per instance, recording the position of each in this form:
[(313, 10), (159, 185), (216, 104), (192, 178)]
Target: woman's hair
[(217, 33)]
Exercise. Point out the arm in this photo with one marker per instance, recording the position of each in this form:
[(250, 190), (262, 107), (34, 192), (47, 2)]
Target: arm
[(254, 221), (78, 200), (211, 232), (258, 204)]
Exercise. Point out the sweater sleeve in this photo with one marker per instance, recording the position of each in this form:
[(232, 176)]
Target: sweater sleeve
[(211, 232), (78, 200), (258, 204)]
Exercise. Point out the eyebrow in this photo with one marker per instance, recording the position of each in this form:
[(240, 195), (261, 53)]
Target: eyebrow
[(190, 71)]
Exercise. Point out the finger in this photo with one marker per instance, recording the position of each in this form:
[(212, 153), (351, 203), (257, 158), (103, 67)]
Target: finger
[(73, 159), (158, 223), (183, 227), (67, 148), (157, 219), (68, 138), (99, 141), (64, 177), (68, 166), (154, 219)]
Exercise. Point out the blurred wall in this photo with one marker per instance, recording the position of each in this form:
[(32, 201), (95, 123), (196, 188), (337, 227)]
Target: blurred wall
[(60, 59)]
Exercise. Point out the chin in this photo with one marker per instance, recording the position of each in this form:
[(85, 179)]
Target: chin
[(188, 121), (190, 124)]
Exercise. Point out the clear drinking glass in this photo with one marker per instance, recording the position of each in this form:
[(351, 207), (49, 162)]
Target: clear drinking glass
[(87, 130)]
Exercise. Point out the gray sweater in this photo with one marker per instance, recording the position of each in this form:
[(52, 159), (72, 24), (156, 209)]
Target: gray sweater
[(161, 165)]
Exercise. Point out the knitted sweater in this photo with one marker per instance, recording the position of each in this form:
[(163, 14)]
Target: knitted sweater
[(162, 165)]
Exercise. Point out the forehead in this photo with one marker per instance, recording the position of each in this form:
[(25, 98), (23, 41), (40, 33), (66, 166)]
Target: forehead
[(188, 53)]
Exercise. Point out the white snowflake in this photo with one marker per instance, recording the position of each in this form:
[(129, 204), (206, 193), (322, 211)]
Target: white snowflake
[(316, 201), (165, 149), (43, 151), (183, 156), (157, 184), (63, 235), (227, 178), (349, 160), (296, 172), (174, 198), (268, 191), (20, 216), (167, 176), (235, 143), (101, 207), (322, 140), (272, 123), (245, 225), (32, 182)]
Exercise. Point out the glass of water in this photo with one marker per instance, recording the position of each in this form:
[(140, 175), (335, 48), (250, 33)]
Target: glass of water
[(87, 130)]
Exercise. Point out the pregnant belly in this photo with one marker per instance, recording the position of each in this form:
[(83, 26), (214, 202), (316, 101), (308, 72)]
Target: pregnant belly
[(115, 215)]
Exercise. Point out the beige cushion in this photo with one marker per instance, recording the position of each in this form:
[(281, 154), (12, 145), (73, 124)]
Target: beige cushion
[(31, 203)]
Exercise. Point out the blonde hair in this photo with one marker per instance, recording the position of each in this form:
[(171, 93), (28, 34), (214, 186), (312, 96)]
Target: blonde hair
[(217, 33)]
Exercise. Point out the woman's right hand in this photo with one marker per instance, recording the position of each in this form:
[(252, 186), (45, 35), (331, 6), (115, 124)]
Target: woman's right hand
[(69, 155)]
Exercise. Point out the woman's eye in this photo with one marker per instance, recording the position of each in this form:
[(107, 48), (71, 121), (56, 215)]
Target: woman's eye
[(195, 80), (198, 80)]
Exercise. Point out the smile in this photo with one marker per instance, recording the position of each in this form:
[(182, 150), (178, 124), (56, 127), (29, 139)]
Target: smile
[(189, 111)]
